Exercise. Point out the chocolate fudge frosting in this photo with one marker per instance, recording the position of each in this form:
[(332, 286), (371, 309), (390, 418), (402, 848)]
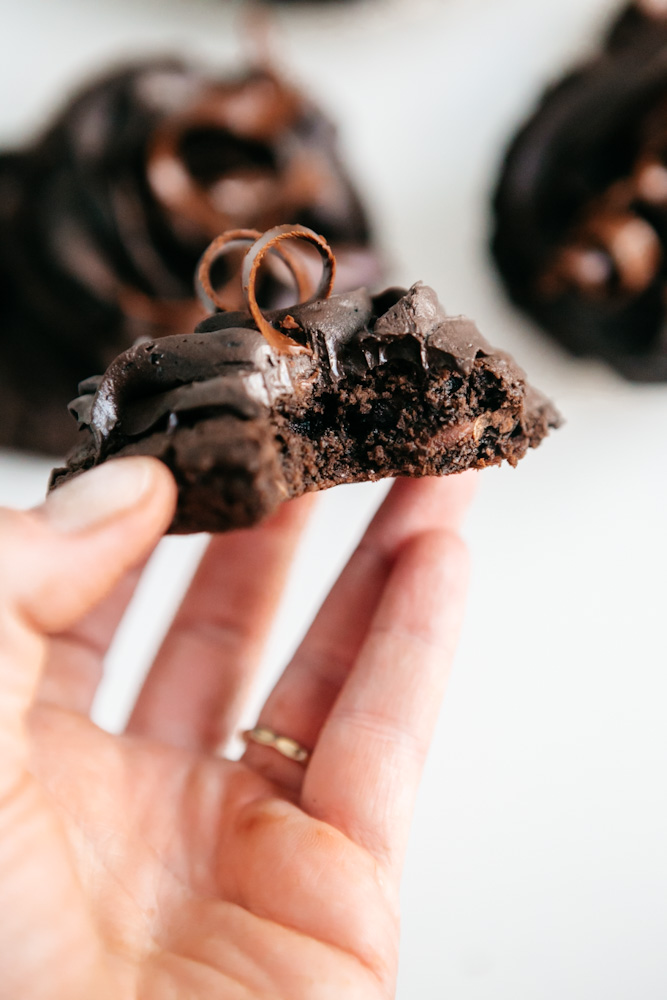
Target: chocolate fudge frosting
[(368, 387), (103, 220), (581, 206)]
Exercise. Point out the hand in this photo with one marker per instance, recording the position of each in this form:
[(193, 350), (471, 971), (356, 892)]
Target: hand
[(146, 867)]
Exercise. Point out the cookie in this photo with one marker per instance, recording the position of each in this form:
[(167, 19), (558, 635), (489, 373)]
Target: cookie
[(581, 205), (254, 408)]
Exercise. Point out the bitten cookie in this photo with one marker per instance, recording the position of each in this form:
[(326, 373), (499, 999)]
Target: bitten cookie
[(252, 409)]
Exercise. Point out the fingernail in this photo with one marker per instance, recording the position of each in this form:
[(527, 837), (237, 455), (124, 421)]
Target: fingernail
[(99, 495)]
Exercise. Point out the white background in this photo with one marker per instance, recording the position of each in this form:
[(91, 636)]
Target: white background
[(537, 864)]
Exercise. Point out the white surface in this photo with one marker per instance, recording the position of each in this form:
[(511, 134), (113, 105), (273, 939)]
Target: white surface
[(537, 865)]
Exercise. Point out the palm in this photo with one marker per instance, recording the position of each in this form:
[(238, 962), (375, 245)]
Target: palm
[(200, 883), (145, 866)]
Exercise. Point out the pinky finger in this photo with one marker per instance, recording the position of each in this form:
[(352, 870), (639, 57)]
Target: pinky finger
[(365, 770)]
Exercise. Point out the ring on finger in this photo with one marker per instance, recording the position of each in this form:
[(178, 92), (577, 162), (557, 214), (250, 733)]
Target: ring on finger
[(285, 745)]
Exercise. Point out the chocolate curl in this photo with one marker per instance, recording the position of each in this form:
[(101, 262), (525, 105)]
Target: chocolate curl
[(252, 263), (232, 240)]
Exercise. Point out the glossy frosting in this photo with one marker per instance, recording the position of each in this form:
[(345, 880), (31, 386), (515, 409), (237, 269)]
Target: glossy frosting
[(227, 364), (367, 387)]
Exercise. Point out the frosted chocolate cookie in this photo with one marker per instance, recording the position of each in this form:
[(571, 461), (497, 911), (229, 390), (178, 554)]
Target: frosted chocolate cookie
[(254, 408), (581, 206)]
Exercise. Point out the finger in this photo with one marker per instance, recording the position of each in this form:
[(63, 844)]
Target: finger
[(60, 560), (305, 693), (365, 770), (68, 554), (75, 660), (196, 688)]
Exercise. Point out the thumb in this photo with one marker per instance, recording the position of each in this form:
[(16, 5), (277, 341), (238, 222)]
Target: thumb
[(60, 559)]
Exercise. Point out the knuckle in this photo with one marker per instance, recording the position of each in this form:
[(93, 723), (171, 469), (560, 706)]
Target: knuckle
[(390, 732)]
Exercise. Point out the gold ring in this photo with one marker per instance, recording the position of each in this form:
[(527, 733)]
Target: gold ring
[(283, 744)]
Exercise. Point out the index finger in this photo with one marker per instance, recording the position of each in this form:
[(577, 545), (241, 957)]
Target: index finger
[(195, 689)]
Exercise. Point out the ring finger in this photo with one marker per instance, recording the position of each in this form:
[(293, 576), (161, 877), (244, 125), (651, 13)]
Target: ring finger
[(303, 697)]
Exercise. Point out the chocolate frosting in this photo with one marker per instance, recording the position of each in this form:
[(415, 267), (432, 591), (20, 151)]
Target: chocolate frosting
[(227, 365), (361, 387)]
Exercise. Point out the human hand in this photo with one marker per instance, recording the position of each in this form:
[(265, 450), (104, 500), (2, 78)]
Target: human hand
[(146, 866)]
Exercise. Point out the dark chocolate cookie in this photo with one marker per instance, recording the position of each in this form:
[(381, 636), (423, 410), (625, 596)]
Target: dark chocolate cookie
[(103, 220), (581, 206), (254, 408)]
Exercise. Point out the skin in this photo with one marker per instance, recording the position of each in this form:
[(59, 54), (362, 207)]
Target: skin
[(147, 867)]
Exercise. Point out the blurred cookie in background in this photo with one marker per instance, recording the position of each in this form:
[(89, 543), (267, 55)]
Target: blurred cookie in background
[(104, 217), (581, 206)]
